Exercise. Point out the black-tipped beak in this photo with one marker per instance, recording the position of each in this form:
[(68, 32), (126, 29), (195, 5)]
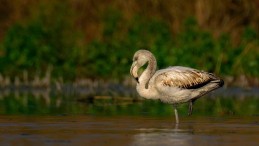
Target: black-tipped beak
[(134, 71), (137, 79)]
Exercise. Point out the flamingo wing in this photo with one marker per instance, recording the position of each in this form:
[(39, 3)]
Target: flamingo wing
[(183, 77)]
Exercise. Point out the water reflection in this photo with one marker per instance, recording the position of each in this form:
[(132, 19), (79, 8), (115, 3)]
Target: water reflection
[(86, 101), (206, 131), (127, 130), (165, 137)]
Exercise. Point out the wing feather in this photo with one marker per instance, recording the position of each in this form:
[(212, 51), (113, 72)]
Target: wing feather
[(183, 77)]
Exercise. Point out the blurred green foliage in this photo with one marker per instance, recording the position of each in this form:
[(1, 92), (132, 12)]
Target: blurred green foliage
[(41, 43), (50, 38)]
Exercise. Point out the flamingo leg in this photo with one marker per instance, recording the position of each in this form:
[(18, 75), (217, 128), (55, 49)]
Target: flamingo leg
[(176, 115), (190, 108)]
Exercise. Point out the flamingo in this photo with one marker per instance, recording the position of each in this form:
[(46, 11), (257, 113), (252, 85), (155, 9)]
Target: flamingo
[(173, 85)]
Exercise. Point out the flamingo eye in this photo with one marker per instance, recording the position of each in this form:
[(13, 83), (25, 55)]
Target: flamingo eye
[(135, 59)]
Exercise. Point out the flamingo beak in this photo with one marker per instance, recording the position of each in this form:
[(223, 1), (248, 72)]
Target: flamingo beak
[(134, 71)]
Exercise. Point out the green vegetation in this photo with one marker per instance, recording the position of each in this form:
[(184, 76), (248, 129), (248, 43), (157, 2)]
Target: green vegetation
[(96, 39), (52, 36), (41, 43)]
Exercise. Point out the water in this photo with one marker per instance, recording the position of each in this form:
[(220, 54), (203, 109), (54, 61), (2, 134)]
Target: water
[(127, 130), (57, 119)]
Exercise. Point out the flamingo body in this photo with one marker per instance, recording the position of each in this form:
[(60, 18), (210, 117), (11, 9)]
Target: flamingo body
[(173, 85)]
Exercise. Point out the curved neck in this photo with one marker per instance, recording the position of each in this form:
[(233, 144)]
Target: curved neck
[(148, 72), (144, 88)]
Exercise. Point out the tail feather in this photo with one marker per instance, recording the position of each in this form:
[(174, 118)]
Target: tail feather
[(216, 79), (219, 81)]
